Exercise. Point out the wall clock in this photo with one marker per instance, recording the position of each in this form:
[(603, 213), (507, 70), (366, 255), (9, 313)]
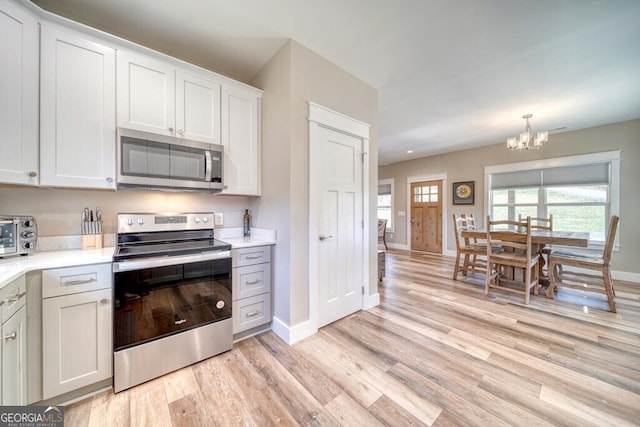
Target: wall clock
[(463, 193)]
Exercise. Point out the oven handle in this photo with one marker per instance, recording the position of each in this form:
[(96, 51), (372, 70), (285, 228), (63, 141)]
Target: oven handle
[(130, 265)]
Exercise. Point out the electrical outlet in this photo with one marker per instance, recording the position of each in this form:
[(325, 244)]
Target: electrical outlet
[(218, 219)]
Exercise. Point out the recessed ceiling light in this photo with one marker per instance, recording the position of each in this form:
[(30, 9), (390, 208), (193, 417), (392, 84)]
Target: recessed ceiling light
[(409, 151)]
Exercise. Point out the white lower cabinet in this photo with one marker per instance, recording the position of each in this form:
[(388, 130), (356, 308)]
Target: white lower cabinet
[(77, 326), (13, 375), (251, 287), (14, 359)]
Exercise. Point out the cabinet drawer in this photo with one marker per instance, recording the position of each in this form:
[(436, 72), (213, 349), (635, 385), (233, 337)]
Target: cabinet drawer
[(250, 256), (251, 280), (12, 297), (251, 312), (71, 280)]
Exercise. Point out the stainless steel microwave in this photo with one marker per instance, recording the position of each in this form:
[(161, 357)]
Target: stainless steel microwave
[(158, 161)]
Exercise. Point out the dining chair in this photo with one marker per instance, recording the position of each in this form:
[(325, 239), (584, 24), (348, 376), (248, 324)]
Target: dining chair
[(599, 282), (538, 223), (382, 232), (470, 251), (516, 252)]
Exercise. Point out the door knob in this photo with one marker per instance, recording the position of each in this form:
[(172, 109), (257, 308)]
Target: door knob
[(323, 237)]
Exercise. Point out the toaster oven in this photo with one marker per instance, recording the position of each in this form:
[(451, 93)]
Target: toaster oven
[(18, 235)]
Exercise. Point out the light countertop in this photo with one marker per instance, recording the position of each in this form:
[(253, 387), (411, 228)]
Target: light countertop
[(259, 237), (11, 268), (14, 267)]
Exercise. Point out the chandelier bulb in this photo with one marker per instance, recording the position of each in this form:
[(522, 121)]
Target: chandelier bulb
[(527, 139)]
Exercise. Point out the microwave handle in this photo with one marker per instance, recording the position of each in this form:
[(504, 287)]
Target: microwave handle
[(207, 165)]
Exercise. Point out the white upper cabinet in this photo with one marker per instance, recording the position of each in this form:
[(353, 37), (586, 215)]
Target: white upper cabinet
[(77, 108), (18, 95), (197, 108), (240, 138), (146, 94), (155, 96)]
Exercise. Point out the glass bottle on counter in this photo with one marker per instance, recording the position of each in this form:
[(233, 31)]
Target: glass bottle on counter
[(246, 223)]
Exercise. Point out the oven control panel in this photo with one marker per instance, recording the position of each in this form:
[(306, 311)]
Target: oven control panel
[(136, 222)]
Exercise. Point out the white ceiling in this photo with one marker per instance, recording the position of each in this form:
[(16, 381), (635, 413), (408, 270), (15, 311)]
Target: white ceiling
[(451, 74)]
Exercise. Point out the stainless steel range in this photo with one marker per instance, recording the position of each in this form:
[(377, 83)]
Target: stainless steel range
[(172, 295)]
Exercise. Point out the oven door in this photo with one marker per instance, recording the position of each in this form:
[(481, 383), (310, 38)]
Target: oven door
[(8, 237), (159, 297)]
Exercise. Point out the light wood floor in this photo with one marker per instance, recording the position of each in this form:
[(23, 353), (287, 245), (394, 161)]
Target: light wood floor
[(435, 352)]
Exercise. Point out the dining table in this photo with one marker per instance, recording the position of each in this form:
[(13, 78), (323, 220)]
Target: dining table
[(539, 239)]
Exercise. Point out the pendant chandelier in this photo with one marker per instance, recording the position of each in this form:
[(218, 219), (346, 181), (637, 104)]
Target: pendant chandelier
[(527, 139)]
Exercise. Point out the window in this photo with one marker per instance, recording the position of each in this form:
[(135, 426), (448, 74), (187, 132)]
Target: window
[(581, 192), (385, 201), (426, 194)]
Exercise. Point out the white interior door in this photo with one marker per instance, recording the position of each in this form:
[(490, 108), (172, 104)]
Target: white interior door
[(339, 225)]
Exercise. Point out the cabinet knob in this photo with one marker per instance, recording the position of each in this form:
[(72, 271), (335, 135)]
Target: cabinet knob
[(33, 174), (11, 336), (180, 131), (171, 130), (109, 179), (104, 301)]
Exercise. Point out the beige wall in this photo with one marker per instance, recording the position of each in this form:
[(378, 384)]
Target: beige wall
[(468, 165), (294, 77), (57, 211)]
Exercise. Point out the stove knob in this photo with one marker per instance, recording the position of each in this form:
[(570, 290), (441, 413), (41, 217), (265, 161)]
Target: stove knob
[(130, 221), (205, 219), (27, 245), (197, 219), (27, 234), (27, 223), (140, 221)]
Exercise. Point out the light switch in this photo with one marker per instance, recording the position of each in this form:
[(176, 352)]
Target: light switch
[(218, 219)]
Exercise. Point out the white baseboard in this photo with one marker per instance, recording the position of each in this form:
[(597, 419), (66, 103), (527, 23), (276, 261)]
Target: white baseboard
[(292, 334), (626, 276), (398, 246), (370, 301)]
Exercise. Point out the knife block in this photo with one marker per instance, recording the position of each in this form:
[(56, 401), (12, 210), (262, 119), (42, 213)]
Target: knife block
[(92, 241)]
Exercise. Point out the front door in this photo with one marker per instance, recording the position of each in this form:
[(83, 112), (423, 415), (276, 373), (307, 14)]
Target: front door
[(340, 225), (426, 216)]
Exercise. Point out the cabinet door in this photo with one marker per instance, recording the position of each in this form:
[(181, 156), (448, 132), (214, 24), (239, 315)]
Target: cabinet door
[(18, 95), (240, 138), (197, 108), (251, 312), (77, 102), (14, 359), (77, 336), (146, 94), (251, 280)]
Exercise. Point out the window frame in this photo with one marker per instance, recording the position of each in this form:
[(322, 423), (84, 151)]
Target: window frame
[(612, 207), (388, 181)]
